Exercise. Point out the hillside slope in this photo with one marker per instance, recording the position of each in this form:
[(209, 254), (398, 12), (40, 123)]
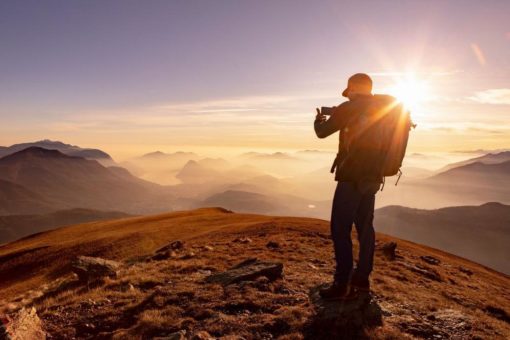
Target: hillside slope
[(16, 199), (487, 182), (479, 233), (490, 158), (423, 293), (13, 227)]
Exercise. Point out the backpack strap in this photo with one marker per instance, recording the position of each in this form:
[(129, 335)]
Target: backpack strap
[(335, 163), (399, 175)]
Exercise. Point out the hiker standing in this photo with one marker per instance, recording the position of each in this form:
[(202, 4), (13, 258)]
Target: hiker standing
[(360, 165)]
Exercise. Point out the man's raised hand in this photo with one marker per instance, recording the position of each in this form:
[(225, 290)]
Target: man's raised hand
[(320, 117)]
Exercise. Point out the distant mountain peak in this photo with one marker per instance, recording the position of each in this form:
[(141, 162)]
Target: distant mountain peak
[(37, 151), (161, 154), (67, 149), (493, 204), (154, 154)]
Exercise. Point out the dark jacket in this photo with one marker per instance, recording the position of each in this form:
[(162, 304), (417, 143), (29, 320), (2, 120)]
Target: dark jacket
[(359, 164)]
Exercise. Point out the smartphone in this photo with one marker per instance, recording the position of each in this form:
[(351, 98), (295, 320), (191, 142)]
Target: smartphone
[(328, 111)]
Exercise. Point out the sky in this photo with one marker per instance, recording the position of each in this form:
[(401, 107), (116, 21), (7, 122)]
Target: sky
[(132, 77)]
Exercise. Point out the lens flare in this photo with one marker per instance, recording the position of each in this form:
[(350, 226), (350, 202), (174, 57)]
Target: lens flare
[(412, 92)]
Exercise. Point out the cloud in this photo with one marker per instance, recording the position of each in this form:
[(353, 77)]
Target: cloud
[(254, 114), (397, 74), (492, 96), (257, 105), (470, 128)]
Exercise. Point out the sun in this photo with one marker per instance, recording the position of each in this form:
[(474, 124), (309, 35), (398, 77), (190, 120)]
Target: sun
[(411, 91)]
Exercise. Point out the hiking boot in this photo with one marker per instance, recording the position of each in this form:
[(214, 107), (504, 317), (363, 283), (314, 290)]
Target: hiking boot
[(360, 285), (337, 291)]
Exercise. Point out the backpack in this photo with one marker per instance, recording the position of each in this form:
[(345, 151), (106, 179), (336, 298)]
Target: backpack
[(381, 131)]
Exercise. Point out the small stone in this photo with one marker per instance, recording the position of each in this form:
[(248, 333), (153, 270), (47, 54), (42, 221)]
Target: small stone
[(202, 335), (188, 256), (243, 240), (426, 272), (175, 245), (11, 307), (273, 245), (208, 248), (466, 271), (430, 260), (164, 255), (180, 335)]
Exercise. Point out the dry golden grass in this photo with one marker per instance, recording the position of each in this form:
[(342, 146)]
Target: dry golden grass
[(155, 298)]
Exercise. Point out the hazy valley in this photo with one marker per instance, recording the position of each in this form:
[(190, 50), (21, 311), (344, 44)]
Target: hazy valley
[(40, 181)]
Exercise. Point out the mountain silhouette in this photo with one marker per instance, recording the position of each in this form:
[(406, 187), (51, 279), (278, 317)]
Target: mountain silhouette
[(74, 182), (68, 149), (480, 233), (489, 158)]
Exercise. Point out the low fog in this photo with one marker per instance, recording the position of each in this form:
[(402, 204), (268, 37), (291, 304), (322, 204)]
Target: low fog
[(299, 183)]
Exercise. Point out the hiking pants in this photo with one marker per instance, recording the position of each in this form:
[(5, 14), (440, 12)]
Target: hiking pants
[(353, 203)]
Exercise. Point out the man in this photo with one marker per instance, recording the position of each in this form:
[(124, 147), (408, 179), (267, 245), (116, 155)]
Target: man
[(359, 178)]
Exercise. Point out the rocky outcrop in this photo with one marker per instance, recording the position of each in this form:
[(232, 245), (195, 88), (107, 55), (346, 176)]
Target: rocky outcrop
[(25, 325), (248, 270), (337, 319), (89, 269)]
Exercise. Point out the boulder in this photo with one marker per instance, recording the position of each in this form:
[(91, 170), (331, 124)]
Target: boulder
[(248, 270), (92, 268), (388, 250), (337, 319), (25, 325)]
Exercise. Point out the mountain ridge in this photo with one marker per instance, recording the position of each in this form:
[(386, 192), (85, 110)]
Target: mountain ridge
[(71, 150), (76, 182), (480, 233)]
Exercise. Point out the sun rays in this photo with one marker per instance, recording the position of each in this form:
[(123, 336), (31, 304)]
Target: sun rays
[(411, 91)]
